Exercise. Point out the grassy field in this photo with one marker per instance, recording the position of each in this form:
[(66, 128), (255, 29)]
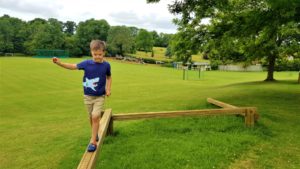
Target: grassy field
[(159, 54), (44, 123)]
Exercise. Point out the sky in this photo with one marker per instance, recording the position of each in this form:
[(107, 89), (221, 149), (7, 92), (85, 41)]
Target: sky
[(116, 12)]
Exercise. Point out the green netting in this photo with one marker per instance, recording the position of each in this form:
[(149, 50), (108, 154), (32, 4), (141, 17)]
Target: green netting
[(45, 53)]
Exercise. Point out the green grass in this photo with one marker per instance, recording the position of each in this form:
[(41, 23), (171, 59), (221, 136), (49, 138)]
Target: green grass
[(44, 123), (159, 54)]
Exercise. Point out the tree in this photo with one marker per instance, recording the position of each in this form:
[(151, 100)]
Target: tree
[(44, 35), (168, 52), (156, 40), (32, 28), (164, 39), (144, 40), (120, 39), (133, 31), (161, 40), (6, 35), (183, 45), (12, 35), (69, 28), (89, 30), (256, 29), (71, 45)]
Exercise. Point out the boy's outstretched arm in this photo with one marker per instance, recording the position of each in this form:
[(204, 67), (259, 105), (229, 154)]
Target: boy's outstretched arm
[(108, 86), (70, 66)]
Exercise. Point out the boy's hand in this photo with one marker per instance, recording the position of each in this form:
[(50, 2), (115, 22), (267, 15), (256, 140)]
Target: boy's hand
[(55, 60), (107, 92)]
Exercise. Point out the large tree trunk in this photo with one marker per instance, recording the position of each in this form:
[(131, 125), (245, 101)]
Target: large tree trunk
[(271, 66)]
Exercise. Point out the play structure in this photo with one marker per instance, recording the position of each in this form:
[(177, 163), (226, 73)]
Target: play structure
[(106, 123), (187, 74), (45, 53), (190, 69)]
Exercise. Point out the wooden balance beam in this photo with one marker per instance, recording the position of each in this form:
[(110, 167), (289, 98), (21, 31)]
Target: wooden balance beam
[(248, 112), (106, 123), (89, 158), (168, 114)]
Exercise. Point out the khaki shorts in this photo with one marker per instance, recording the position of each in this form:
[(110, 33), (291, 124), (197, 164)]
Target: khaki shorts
[(94, 105)]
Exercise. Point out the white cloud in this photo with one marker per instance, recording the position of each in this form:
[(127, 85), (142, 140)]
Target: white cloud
[(116, 12), (40, 8), (150, 21)]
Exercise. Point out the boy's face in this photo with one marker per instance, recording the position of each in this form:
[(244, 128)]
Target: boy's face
[(98, 55)]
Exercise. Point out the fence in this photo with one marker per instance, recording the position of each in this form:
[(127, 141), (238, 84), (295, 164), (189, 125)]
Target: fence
[(44, 53), (251, 68)]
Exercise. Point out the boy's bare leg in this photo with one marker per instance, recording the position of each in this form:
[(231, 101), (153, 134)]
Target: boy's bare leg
[(91, 121), (95, 128)]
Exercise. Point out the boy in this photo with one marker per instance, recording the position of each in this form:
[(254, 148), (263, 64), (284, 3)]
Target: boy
[(97, 83)]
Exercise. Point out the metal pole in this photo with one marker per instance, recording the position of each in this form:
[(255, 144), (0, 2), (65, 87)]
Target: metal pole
[(187, 73), (299, 77)]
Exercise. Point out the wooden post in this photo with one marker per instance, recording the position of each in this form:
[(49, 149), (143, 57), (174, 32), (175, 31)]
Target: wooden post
[(299, 77), (246, 117), (249, 117)]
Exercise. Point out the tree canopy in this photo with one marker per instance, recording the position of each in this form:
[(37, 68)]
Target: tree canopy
[(144, 40), (89, 30), (17, 36), (240, 30), (120, 39), (12, 35)]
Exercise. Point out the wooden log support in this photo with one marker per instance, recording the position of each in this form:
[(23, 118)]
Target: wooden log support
[(111, 127), (219, 103), (89, 158), (226, 105), (249, 117), (168, 114)]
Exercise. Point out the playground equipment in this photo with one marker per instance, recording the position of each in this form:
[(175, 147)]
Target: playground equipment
[(191, 69), (45, 53), (185, 75), (88, 160)]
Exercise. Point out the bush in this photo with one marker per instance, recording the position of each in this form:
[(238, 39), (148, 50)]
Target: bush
[(287, 65), (168, 64), (150, 61), (215, 64)]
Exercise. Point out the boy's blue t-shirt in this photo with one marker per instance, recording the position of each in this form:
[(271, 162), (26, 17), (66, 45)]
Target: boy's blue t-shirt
[(94, 79)]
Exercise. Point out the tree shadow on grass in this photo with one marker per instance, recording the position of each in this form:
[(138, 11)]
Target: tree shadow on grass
[(279, 82)]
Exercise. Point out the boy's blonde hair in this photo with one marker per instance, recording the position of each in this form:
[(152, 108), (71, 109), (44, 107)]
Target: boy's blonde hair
[(97, 45)]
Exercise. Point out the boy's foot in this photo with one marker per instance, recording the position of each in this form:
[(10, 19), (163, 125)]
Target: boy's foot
[(92, 147), (97, 138)]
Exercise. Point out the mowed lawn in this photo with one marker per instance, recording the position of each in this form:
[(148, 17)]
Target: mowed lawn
[(43, 122)]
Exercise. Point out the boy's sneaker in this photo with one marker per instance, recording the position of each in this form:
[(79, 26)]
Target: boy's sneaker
[(92, 147), (97, 138)]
